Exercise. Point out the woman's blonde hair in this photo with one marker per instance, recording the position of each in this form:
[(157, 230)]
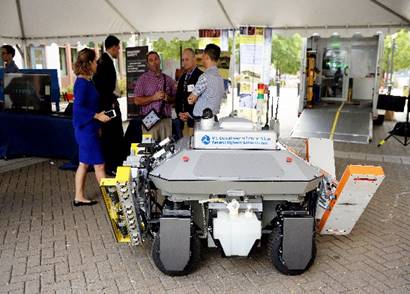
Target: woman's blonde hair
[(83, 64)]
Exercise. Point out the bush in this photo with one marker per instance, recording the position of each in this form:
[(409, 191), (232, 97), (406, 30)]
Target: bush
[(122, 85)]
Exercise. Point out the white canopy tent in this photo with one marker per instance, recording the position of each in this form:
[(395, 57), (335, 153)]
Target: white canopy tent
[(63, 21)]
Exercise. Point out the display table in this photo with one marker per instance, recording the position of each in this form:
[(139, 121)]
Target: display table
[(23, 134)]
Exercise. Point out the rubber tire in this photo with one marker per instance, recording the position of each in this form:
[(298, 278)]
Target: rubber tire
[(193, 262), (274, 244)]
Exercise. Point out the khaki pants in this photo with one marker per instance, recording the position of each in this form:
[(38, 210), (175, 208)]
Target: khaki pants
[(161, 130), (187, 131)]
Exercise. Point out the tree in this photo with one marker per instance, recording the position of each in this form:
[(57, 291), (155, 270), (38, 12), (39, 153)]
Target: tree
[(172, 49), (237, 46), (401, 58), (286, 52)]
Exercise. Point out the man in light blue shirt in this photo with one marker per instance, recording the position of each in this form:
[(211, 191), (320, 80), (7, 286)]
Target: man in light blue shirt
[(209, 90)]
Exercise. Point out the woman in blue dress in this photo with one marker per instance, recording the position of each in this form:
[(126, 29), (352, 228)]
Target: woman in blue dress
[(87, 122)]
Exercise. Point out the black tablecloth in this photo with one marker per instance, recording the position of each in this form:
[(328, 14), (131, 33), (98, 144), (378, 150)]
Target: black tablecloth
[(23, 134)]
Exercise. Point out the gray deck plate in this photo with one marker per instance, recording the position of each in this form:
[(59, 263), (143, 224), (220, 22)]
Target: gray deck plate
[(354, 125)]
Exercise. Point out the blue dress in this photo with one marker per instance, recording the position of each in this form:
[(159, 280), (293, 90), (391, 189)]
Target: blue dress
[(86, 128)]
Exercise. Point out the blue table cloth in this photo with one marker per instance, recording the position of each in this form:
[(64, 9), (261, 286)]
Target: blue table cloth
[(24, 134)]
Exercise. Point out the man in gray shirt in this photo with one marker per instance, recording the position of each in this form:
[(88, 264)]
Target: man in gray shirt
[(7, 54), (209, 90)]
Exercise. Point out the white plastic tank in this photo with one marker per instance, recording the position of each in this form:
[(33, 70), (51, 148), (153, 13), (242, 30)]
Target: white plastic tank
[(237, 232)]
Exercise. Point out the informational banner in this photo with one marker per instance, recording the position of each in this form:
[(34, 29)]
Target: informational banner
[(135, 65), (217, 37), (224, 40), (255, 58), (209, 36)]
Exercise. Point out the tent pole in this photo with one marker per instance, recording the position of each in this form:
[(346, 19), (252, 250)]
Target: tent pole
[(391, 67), (225, 13), (23, 34), (18, 5), (233, 55), (388, 9), (121, 15), (25, 54), (228, 18)]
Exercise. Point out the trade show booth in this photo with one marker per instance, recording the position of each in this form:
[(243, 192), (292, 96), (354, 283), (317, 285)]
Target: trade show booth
[(27, 22), (30, 121)]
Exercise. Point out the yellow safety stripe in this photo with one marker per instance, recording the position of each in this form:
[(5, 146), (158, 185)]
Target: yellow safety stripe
[(332, 132)]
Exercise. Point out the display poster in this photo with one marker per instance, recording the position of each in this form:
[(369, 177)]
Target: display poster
[(209, 36), (255, 57), (217, 37), (135, 66), (225, 40)]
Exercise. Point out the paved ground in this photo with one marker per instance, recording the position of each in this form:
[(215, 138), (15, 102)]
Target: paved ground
[(8, 165), (391, 152), (48, 246)]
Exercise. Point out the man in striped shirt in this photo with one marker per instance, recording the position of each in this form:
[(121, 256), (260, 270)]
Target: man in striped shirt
[(209, 90)]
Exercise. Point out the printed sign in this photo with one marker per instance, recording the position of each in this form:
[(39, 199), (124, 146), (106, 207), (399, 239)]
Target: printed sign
[(136, 66), (234, 140), (255, 58)]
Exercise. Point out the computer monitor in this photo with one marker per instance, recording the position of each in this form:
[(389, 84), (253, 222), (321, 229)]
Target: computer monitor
[(27, 92)]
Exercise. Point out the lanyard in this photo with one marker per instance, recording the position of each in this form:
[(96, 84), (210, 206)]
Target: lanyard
[(164, 88)]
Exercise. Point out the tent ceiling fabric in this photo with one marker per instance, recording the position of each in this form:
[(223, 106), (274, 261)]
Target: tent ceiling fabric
[(302, 13), (173, 15), (62, 20)]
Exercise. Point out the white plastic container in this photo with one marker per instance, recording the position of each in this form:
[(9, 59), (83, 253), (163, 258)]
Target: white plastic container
[(237, 233)]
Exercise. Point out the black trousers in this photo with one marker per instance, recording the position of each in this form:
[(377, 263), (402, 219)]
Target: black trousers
[(133, 134), (112, 139)]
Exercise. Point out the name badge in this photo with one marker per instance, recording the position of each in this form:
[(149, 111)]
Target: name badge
[(190, 88)]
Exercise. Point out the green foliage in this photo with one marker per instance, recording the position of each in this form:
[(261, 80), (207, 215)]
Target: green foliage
[(172, 49), (122, 85), (401, 52), (68, 89), (237, 46), (286, 52)]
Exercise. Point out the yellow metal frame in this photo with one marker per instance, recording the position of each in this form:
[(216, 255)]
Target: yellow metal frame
[(134, 148), (123, 176)]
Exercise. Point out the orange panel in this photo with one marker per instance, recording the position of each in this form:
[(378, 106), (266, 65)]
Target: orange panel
[(350, 170), (366, 170)]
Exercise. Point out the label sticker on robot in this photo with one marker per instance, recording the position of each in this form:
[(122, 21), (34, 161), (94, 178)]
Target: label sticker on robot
[(243, 140)]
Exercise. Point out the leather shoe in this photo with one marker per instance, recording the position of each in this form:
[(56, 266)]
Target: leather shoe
[(81, 203)]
